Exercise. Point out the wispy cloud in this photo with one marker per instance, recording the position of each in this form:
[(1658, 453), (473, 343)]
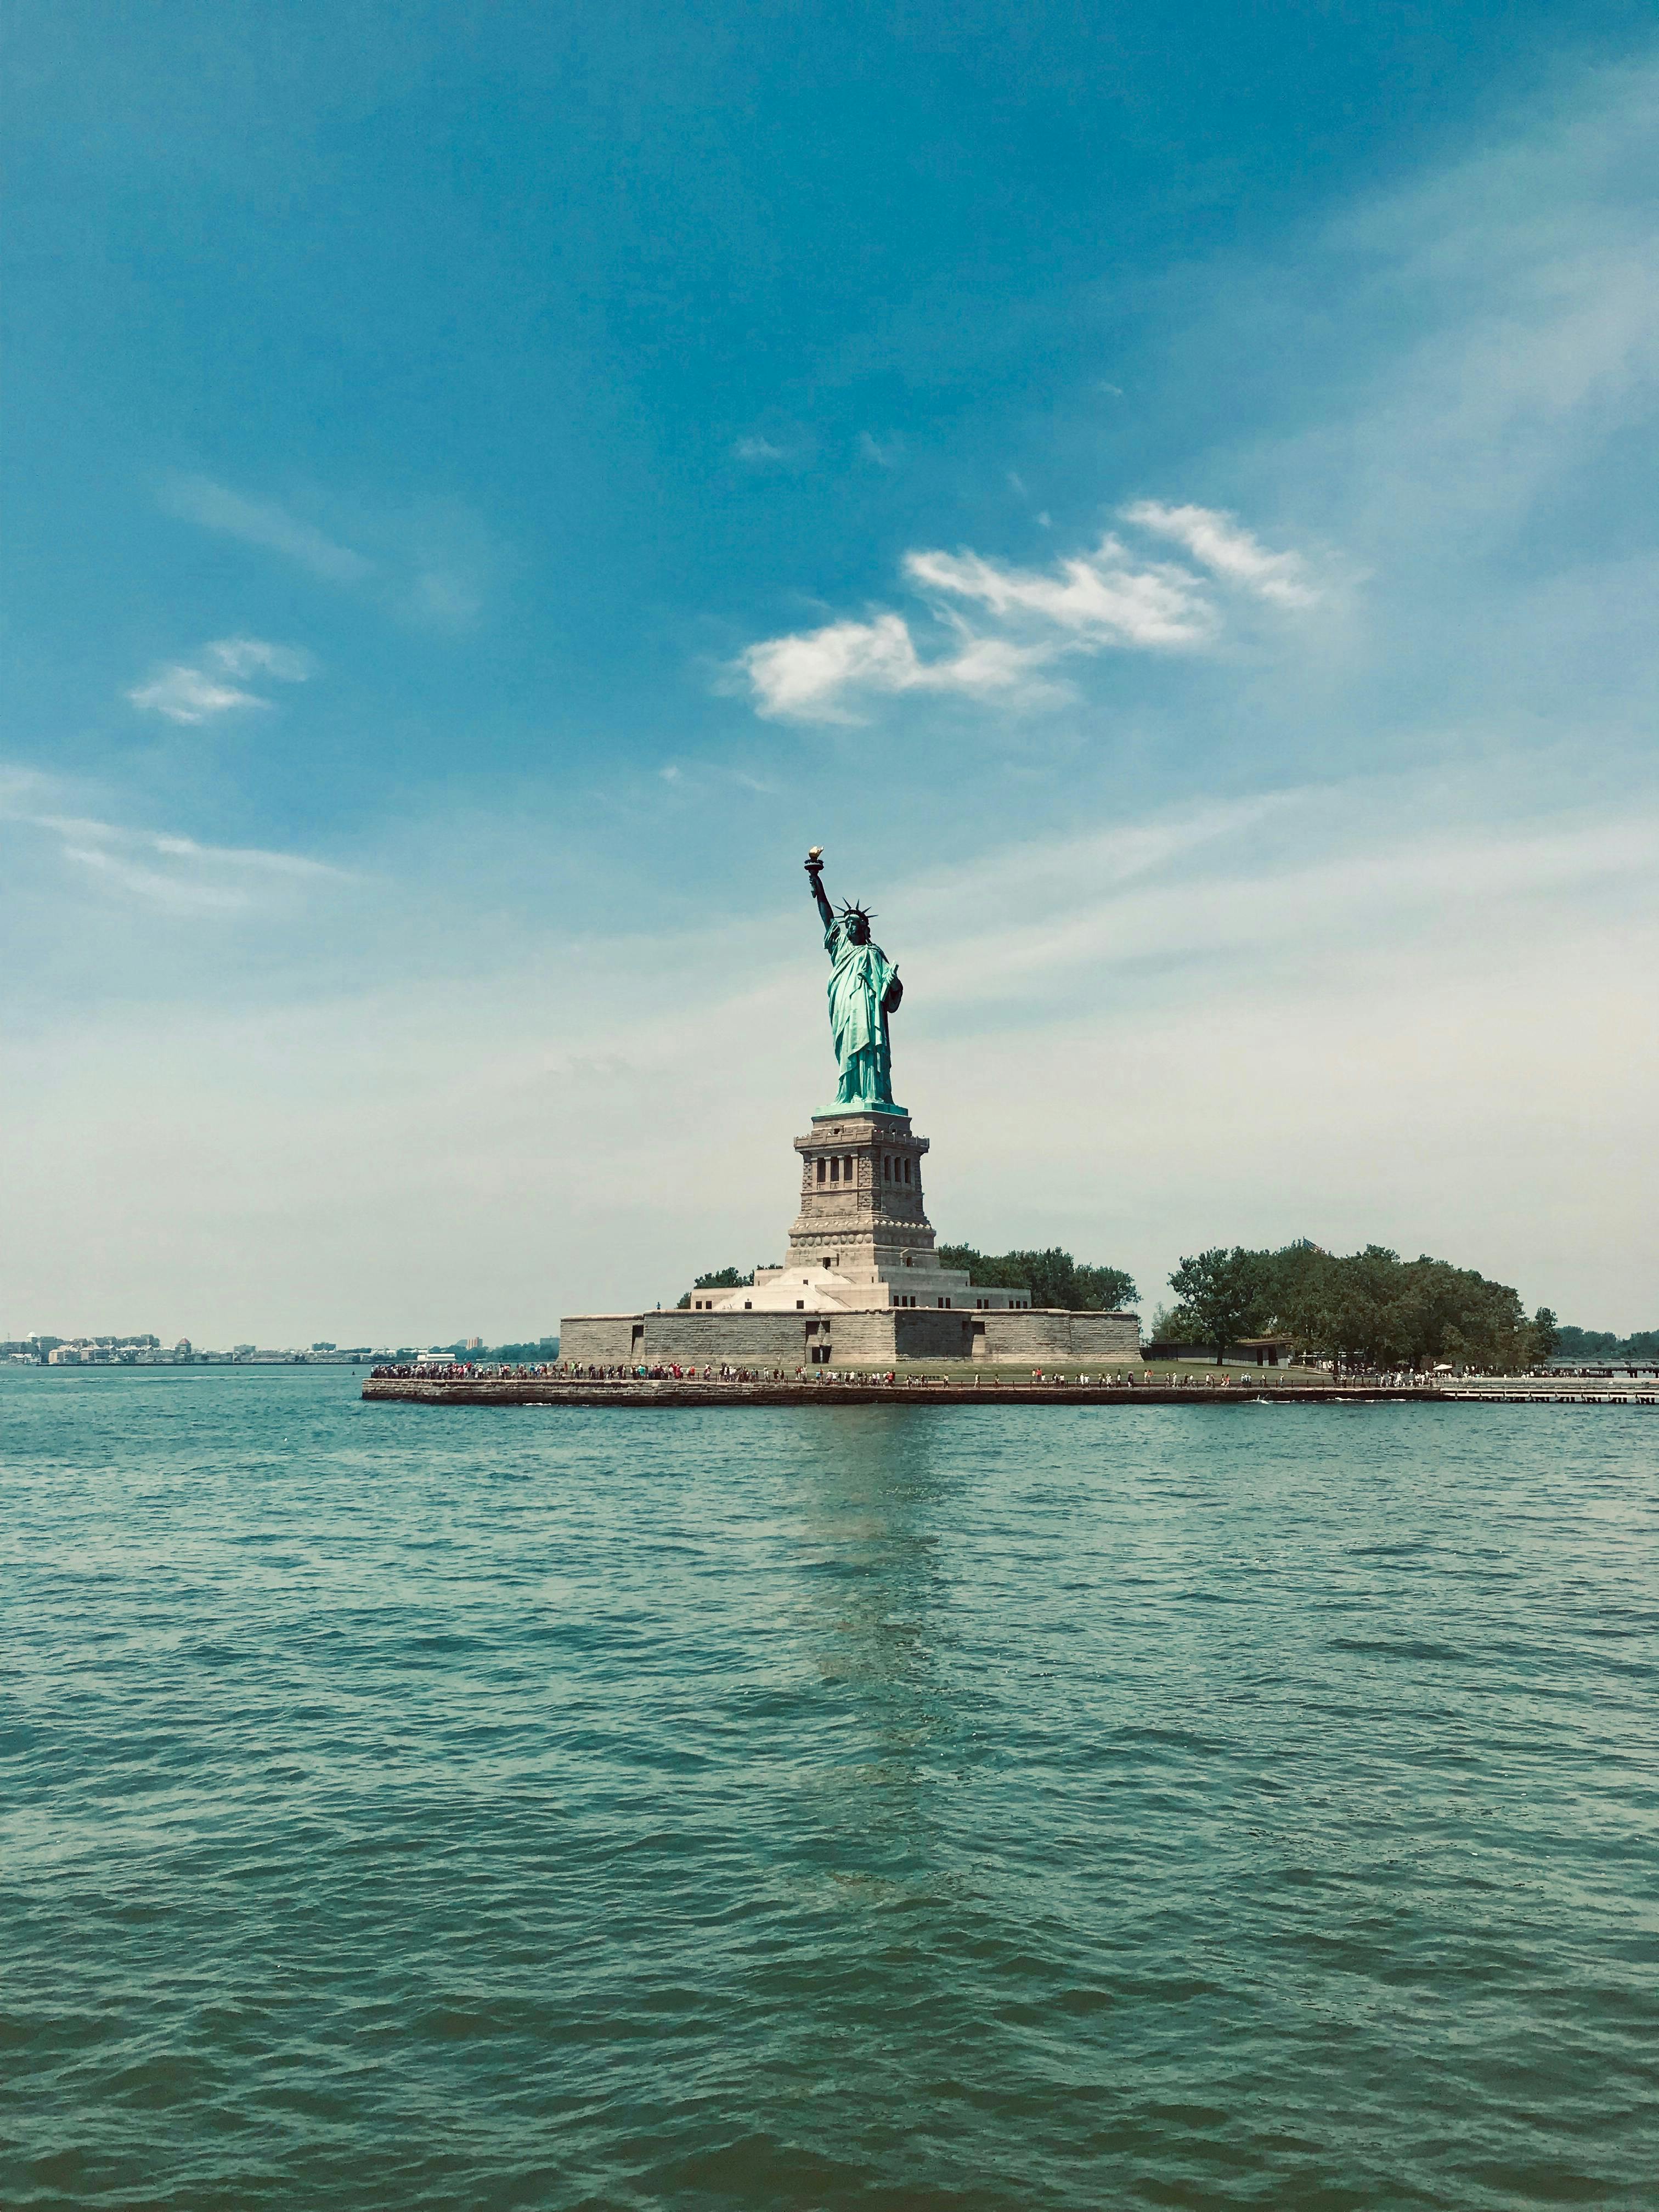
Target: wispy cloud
[(254, 656), (184, 694), (1229, 550), (194, 692), (1104, 598), (885, 453), (431, 564), (258, 522), (1002, 627), (713, 780), (759, 451), (1352, 869), (161, 867), (254, 857), (175, 894)]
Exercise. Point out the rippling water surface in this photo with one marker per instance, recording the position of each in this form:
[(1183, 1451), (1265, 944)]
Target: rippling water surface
[(888, 1807)]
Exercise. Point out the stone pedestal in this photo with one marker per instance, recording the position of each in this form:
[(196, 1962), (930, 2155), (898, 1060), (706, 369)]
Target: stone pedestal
[(862, 1241), (862, 1282), (861, 1209)]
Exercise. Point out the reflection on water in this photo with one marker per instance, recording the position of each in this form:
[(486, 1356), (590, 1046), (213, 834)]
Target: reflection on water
[(875, 1609)]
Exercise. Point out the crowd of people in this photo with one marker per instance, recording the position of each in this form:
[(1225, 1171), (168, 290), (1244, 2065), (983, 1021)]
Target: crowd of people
[(459, 1371), (1252, 1378), (670, 1371)]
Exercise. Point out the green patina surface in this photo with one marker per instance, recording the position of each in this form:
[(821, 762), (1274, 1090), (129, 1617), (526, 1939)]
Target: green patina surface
[(860, 977)]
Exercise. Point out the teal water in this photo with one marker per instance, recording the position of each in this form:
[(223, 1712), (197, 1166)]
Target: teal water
[(881, 1807)]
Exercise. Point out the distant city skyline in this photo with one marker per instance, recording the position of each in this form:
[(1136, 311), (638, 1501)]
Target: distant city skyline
[(93, 1348)]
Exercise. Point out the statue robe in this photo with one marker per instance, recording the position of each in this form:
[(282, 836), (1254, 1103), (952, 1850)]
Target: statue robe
[(859, 975)]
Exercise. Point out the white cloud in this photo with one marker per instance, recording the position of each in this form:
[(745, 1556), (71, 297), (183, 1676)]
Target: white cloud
[(215, 507), (819, 675), (189, 693), (186, 695), (885, 453), (759, 449), (1228, 550), (1104, 598), (805, 675), (1085, 604), (252, 656)]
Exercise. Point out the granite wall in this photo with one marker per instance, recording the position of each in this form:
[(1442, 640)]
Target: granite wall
[(1050, 1332), (851, 1340)]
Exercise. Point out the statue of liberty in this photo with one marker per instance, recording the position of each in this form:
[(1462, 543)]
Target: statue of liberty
[(864, 989)]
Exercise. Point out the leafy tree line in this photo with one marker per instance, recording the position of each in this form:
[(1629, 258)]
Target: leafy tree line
[(1367, 1310), (723, 1278), (1053, 1277), (1590, 1344)]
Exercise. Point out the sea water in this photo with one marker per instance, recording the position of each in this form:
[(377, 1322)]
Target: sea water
[(896, 1807)]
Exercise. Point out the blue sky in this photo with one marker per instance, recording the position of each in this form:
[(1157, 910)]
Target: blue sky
[(1166, 498)]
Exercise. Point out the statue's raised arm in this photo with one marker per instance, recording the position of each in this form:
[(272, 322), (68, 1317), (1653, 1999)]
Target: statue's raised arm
[(815, 877), (864, 989)]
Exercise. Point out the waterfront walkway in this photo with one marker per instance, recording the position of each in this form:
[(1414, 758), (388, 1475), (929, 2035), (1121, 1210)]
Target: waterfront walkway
[(747, 1386)]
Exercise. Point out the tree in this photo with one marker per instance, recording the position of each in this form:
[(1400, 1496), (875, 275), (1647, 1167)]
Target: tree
[(1052, 1277), (1105, 1290), (1545, 1333), (1221, 1291), (1604, 1344), (723, 1278), (1588, 1343), (1371, 1308)]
